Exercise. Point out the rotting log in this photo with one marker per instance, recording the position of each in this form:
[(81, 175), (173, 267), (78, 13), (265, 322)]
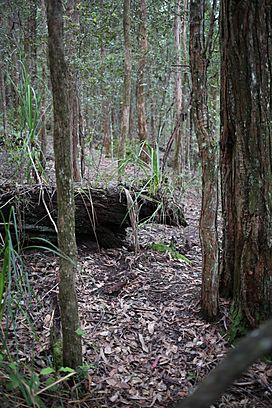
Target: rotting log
[(102, 215)]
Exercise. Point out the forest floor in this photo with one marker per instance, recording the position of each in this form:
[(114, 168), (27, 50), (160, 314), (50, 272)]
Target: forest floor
[(145, 339)]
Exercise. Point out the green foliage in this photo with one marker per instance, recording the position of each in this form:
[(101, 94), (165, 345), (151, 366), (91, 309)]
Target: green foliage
[(26, 145), (16, 381), (14, 286), (49, 246), (80, 332), (150, 169), (171, 250), (31, 385)]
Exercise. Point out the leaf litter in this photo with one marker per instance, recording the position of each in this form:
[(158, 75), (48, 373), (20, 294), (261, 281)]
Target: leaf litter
[(144, 337)]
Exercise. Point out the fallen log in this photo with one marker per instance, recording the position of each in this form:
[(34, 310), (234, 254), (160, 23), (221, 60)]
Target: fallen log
[(102, 215)]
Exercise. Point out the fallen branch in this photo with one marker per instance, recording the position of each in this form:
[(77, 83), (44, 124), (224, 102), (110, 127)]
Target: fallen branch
[(251, 348)]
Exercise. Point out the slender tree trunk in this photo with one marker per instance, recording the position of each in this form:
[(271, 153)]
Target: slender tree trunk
[(43, 137), (30, 47), (72, 31), (186, 142), (105, 110), (153, 136), (82, 131), (246, 158), (207, 143), (72, 353), (127, 81), (143, 45), (178, 91), (3, 99)]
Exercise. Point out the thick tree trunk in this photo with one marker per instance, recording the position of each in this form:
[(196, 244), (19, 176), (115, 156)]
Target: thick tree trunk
[(72, 352), (127, 81), (143, 45), (246, 158), (209, 161)]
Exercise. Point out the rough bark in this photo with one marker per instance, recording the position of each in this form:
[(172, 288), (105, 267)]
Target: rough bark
[(199, 60), (127, 81), (72, 352), (178, 90), (251, 348), (143, 45), (186, 142), (246, 157)]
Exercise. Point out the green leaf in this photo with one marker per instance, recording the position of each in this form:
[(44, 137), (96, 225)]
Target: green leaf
[(80, 332), (66, 370), (47, 371), (50, 381)]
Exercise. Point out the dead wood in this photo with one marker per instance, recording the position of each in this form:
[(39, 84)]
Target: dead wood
[(102, 215), (251, 348)]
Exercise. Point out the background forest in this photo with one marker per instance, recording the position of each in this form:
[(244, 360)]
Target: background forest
[(135, 198)]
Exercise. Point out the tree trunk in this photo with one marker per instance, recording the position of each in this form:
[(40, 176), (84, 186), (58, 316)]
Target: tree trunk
[(82, 130), (127, 81), (105, 109), (3, 99), (72, 352), (246, 157), (43, 137), (142, 126), (186, 142), (178, 91), (30, 48), (207, 143), (72, 32)]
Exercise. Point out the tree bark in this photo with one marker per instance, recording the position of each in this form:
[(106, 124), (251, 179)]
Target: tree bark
[(246, 158), (143, 45), (72, 352), (178, 91), (199, 60), (30, 48), (127, 81), (72, 11), (3, 99)]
